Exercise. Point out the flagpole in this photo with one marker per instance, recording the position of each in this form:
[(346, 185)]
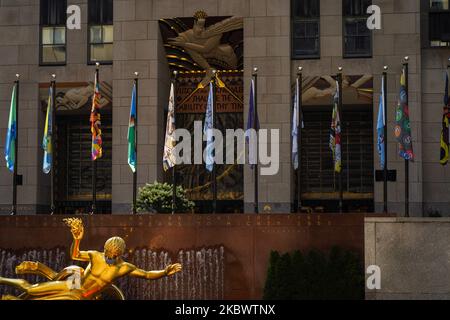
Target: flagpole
[(53, 108), (255, 127), (341, 193), (214, 118), (136, 83), (174, 171), (385, 174), (299, 136), (406, 68), (16, 148), (94, 161)]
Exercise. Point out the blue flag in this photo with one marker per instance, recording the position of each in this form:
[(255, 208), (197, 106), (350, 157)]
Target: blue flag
[(208, 131), (132, 132), (11, 136), (296, 115), (380, 127), (250, 125), (47, 141)]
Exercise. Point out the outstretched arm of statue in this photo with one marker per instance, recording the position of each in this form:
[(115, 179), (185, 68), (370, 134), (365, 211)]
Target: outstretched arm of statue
[(77, 229), (155, 275)]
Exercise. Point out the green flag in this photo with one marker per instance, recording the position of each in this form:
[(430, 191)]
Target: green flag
[(11, 137)]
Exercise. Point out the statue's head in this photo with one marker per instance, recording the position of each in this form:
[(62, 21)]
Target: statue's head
[(114, 249), (200, 20)]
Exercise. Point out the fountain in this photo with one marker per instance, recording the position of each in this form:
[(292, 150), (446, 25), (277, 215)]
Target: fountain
[(202, 276)]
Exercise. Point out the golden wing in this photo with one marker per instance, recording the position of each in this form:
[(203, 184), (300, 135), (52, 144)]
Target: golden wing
[(227, 25)]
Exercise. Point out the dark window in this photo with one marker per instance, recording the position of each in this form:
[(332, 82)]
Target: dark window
[(53, 32), (100, 31), (439, 23), (305, 29), (357, 37)]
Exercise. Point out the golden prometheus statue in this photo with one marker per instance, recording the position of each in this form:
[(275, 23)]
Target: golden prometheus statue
[(93, 282), (204, 44)]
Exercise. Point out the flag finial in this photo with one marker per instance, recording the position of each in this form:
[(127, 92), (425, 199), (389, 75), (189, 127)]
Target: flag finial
[(17, 76), (97, 64), (385, 68), (255, 70), (300, 69), (175, 73), (340, 69), (53, 76), (448, 65), (407, 58), (136, 74)]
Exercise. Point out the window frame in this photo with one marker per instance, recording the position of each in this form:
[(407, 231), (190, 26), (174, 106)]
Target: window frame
[(294, 20), (90, 43), (42, 26), (346, 55)]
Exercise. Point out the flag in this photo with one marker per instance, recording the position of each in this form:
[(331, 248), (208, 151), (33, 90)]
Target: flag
[(96, 151), (445, 139), (47, 141), (380, 127), (403, 125), (169, 160), (250, 125), (297, 114), (335, 134), (208, 130), (132, 132), (10, 147)]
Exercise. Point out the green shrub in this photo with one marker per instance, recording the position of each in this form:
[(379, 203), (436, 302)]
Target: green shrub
[(315, 276), (157, 198)]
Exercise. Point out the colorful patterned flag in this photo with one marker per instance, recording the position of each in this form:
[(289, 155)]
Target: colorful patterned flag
[(252, 157), (47, 141), (169, 160), (380, 127), (445, 139), (403, 126), (296, 125), (335, 134), (208, 130), (97, 150), (10, 147), (132, 132)]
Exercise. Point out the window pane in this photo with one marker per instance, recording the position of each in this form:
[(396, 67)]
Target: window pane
[(60, 36), (96, 34), (108, 34), (53, 54), (53, 12), (439, 4), (100, 11), (306, 8), (101, 52), (356, 7), (47, 35)]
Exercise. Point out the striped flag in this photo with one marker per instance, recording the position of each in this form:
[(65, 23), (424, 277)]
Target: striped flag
[(403, 126), (208, 130), (297, 114), (132, 132), (97, 150), (335, 134), (10, 147), (252, 157), (445, 139), (169, 160), (47, 141), (380, 127)]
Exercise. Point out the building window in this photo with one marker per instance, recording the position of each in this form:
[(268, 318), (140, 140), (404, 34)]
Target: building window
[(53, 18), (357, 37), (305, 29), (439, 23), (100, 31)]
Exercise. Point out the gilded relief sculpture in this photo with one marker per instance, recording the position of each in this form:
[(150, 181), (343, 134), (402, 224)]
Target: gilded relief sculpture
[(75, 283), (204, 44)]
